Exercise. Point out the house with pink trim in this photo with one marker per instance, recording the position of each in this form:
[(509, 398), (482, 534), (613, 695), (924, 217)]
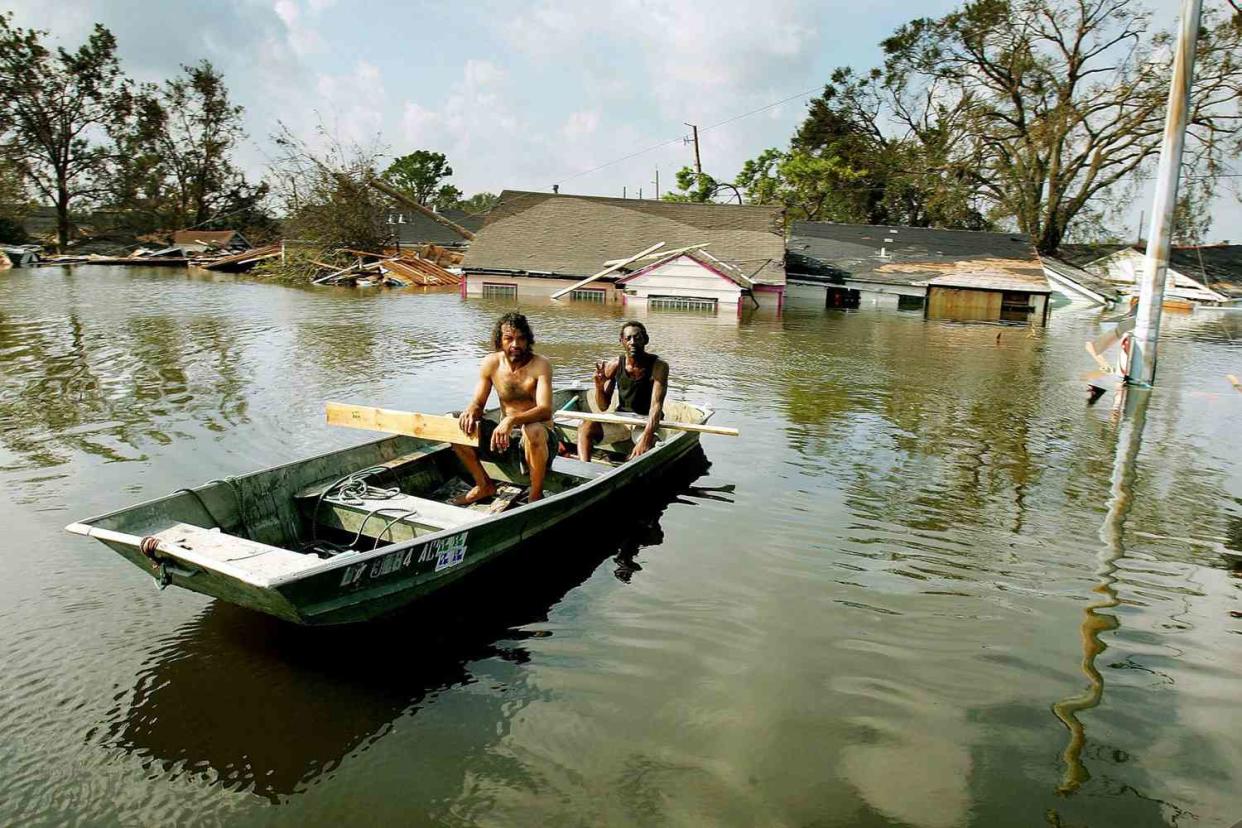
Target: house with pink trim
[(718, 258)]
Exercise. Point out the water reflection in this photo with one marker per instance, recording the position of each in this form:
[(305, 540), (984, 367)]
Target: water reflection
[(1132, 410), (242, 701), (108, 392)]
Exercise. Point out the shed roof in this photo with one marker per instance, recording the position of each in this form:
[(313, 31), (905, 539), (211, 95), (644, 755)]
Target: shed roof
[(572, 235), (916, 256)]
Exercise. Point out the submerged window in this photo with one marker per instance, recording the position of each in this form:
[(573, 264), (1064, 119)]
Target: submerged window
[(836, 297), (1015, 307), (496, 290), (597, 295), (682, 303), (909, 303)]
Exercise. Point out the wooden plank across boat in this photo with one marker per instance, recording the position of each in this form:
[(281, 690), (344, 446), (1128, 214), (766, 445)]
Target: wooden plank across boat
[(353, 534)]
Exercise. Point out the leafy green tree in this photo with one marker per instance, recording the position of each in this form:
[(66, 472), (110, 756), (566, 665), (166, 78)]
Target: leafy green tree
[(842, 166), (1043, 109), (176, 168), (421, 175), (52, 104)]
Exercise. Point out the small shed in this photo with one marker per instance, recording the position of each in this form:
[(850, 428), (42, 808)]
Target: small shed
[(990, 296), (693, 280), (198, 241), (959, 275)]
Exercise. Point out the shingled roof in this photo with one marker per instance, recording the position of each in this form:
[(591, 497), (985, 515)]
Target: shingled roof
[(413, 227), (1217, 266), (544, 234), (915, 256)]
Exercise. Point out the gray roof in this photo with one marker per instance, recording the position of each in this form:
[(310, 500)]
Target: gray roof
[(1217, 266), (413, 227), (1081, 255), (571, 235), (915, 256), (1092, 282)]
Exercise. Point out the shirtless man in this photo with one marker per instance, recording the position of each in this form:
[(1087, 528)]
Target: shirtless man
[(523, 382), (641, 380)]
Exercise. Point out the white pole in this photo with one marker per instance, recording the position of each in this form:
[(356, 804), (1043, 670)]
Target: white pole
[(1142, 367)]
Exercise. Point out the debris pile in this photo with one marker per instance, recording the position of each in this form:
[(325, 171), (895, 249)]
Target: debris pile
[(403, 268), (237, 262)]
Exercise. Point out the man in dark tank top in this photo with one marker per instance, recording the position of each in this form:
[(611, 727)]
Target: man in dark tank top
[(640, 381)]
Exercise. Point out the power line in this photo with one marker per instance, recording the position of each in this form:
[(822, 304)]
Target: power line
[(679, 138)]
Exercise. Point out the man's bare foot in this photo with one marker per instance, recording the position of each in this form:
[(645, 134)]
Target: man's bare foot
[(475, 494)]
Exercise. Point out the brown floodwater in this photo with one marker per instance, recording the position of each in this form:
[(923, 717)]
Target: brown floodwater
[(928, 585)]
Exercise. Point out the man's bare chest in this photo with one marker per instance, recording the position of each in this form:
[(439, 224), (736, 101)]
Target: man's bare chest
[(514, 385)]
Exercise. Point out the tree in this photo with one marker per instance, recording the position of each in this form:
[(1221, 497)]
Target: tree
[(843, 166), (175, 167), (479, 203), (1044, 108), (421, 175), (14, 201), (53, 106), (327, 195), (201, 127)]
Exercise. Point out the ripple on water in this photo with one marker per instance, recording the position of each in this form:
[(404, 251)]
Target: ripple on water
[(898, 572)]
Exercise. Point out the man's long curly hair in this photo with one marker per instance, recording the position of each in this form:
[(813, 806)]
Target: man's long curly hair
[(518, 322)]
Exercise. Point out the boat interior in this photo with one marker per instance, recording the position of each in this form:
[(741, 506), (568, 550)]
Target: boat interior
[(286, 519)]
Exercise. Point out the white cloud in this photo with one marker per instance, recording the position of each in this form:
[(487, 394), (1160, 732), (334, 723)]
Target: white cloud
[(581, 124)]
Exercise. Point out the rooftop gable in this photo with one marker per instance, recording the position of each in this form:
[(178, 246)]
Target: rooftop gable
[(571, 235)]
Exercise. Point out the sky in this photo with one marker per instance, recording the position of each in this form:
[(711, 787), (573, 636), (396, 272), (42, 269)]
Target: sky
[(519, 95)]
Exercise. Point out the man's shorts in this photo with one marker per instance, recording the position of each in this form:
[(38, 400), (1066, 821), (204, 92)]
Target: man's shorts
[(516, 453)]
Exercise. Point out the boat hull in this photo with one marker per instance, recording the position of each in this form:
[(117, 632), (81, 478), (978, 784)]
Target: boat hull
[(258, 510)]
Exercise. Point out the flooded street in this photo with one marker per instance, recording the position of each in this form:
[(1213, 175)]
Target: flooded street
[(918, 590)]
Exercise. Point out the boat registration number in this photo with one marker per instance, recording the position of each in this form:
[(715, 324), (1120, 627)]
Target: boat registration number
[(445, 552)]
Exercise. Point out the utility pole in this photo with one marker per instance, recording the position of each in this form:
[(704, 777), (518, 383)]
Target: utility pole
[(623, 191), (657, 183), (698, 164), (1142, 364)]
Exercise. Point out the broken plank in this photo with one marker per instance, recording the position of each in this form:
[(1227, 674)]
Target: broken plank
[(608, 270)]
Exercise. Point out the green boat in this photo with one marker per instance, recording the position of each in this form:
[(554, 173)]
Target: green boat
[(357, 533)]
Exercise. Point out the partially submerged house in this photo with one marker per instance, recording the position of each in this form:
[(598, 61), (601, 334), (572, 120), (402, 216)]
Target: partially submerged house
[(714, 257), (960, 275), (410, 227), (1078, 285), (198, 241), (1206, 274)]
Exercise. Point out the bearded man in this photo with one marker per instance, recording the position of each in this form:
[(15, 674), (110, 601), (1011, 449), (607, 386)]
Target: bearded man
[(523, 383)]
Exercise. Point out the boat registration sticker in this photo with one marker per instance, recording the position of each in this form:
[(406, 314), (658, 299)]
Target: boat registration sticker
[(449, 551)]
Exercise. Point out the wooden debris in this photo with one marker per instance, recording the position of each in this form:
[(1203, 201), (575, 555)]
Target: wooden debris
[(238, 262)]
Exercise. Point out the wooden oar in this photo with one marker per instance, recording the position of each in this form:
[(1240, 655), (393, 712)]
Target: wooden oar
[(593, 417)]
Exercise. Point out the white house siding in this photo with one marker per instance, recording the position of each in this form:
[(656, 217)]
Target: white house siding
[(1125, 267), (684, 277), (529, 287)]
